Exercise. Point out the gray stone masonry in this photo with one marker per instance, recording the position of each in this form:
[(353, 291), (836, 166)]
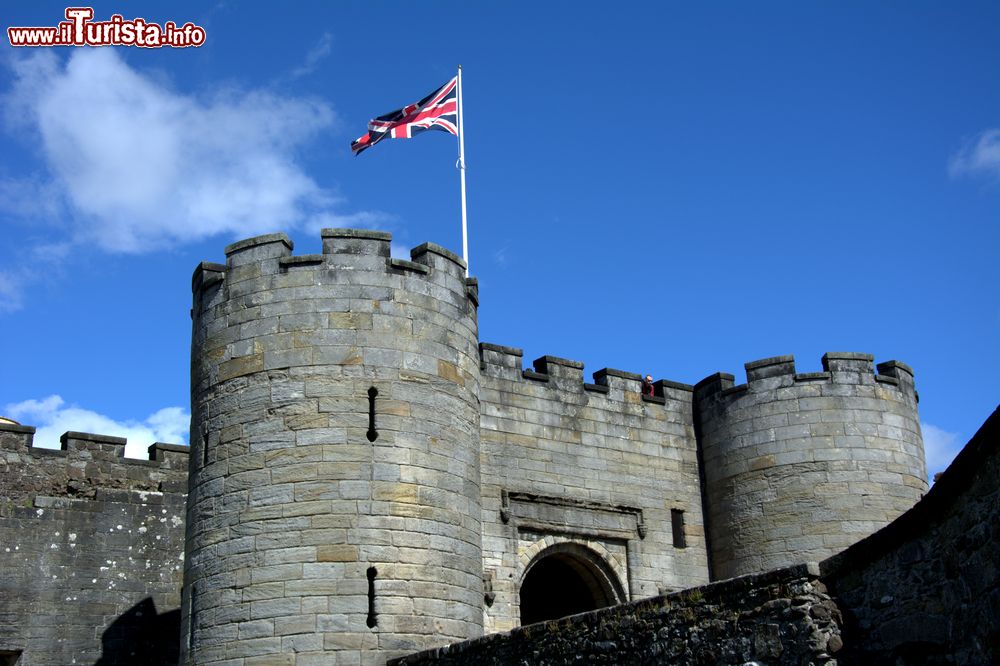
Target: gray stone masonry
[(926, 589), (335, 505), (800, 466), (782, 617), (92, 550), (597, 465), (923, 591), (368, 480)]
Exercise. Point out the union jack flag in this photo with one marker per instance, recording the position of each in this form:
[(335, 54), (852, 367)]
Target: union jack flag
[(437, 111)]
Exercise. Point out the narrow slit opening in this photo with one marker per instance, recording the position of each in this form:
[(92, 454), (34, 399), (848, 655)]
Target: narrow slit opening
[(372, 432), (372, 621), (192, 615)]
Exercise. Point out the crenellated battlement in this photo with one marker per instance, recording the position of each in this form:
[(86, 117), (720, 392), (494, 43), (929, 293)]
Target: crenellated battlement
[(84, 464), (567, 375), (840, 369), (91, 446), (345, 252), (367, 478), (569, 460), (802, 464)]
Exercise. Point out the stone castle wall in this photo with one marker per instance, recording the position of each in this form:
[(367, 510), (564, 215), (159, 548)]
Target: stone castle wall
[(800, 466), (368, 480), (597, 465), (923, 591), (926, 589), (91, 545), (784, 617)]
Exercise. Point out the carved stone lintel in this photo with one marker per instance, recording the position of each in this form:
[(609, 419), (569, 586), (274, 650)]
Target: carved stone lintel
[(532, 498)]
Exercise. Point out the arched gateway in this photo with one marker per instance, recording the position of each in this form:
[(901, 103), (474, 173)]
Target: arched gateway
[(566, 579)]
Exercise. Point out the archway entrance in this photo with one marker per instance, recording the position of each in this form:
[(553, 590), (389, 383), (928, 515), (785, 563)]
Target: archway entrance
[(564, 580)]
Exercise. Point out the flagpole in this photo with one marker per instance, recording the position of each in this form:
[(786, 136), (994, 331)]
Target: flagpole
[(461, 169)]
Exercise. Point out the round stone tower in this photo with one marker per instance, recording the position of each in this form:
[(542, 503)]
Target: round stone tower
[(334, 509), (799, 466)]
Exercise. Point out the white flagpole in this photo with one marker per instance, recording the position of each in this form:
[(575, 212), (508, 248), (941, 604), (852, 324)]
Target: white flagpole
[(461, 169)]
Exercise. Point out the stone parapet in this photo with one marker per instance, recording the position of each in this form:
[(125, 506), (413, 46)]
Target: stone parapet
[(597, 472), (92, 548), (84, 464), (782, 617)]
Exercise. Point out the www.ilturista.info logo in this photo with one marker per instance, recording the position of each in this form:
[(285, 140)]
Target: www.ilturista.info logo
[(80, 30)]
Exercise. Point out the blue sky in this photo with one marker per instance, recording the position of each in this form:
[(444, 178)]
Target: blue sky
[(671, 188)]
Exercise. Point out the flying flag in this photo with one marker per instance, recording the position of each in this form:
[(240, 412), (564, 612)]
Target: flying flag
[(437, 111), (441, 110)]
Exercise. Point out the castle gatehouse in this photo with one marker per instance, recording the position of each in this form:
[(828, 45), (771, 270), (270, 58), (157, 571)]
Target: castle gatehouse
[(366, 478)]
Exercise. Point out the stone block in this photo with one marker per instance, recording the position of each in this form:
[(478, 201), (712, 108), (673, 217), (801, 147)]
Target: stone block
[(336, 553)]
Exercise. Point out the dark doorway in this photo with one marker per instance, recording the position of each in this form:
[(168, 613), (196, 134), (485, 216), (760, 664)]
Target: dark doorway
[(9, 657), (564, 583)]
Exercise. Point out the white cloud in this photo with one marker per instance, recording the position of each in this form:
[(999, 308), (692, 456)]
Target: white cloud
[(978, 157), (940, 448), (315, 56), (52, 417), (11, 291), (500, 255), (137, 166)]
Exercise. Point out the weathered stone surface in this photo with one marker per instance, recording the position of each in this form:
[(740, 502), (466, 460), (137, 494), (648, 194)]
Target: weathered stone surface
[(368, 481), (566, 467), (320, 385), (755, 619), (926, 589), (800, 466), (91, 548)]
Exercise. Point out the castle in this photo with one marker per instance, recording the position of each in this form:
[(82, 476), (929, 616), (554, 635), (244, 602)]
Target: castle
[(366, 479)]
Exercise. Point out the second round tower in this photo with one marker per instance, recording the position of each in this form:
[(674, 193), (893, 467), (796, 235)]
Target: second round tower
[(798, 467)]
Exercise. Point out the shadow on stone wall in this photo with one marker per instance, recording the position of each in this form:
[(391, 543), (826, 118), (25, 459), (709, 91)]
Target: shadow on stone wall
[(926, 588), (780, 618), (142, 636), (923, 591)]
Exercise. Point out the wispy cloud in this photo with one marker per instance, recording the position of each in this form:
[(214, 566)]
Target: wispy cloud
[(500, 255), (52, 417), (979, 157), (316, 55), (940, 448), (11, 291), (34, 264)]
